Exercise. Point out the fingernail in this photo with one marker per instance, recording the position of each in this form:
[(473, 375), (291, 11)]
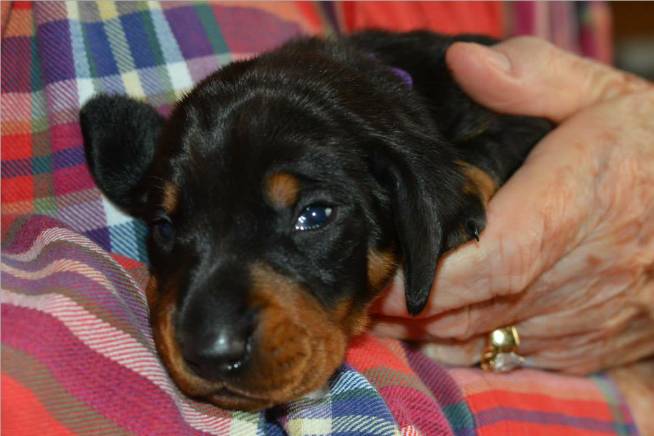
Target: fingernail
[(498, 59)]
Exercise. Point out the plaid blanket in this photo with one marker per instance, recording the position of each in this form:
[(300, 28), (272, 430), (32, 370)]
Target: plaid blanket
[(77, 353)]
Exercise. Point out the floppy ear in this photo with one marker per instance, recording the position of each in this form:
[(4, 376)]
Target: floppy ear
[(120, 136), (418, 224)]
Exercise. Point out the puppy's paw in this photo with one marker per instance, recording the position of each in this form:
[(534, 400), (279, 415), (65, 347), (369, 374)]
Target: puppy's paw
[(468, 224), (470, 221)]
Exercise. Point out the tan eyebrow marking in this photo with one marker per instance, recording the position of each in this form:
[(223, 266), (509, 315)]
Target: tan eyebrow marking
[(282, 189), (381, 266), (170, 197)]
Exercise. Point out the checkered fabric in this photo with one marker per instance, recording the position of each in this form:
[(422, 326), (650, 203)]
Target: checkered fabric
[(57, 55), (77, 352)]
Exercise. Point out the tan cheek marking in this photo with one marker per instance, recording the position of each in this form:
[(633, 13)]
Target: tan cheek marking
[(479, 182), (170, 197), (354, 320), (162, 311), (282, 189), (152, 293), (381, 266), (302, 344)]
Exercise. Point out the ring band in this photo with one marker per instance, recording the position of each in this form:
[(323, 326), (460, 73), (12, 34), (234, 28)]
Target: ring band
[(501, 354)]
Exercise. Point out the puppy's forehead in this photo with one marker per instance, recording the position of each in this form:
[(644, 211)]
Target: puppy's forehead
[(258, 151)]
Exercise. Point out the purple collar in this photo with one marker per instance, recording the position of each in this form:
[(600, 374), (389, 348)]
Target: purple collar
[(403, 75)]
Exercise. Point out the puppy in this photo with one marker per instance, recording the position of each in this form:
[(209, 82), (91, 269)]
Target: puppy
[(284, 191)]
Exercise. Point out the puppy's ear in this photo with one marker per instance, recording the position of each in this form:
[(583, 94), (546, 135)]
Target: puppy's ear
[(418, 224), (120, 136)]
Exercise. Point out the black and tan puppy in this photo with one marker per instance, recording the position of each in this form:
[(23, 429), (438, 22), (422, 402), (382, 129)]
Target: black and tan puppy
[(284, 191)]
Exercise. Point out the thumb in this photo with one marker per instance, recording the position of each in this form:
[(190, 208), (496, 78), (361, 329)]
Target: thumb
[(529, 76)]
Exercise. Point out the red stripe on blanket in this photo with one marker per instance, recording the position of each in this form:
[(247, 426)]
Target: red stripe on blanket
[(506, 427), (16, 147), (24, 415), (126, 262), (308, 11), (65, 136), (21, 5), (482, 17), (17, 189), (366, 352), (73, 179), (540, 403)]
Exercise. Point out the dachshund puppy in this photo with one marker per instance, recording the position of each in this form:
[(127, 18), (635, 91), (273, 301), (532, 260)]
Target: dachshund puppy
[(284, 191)]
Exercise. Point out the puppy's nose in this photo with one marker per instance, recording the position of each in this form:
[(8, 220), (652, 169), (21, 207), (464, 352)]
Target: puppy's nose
[(215, 353)]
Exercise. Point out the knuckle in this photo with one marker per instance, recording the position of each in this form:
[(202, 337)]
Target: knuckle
[(532, 42), (613, 83), (532, 50)]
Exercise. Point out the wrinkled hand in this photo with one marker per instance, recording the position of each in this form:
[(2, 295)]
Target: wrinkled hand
[(568, 252)]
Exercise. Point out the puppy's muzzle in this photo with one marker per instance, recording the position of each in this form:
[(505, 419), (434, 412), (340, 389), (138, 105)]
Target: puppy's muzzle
[(261, 341)]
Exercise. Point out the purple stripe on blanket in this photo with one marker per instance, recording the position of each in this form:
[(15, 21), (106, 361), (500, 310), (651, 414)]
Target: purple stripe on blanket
[(60, 249), (16, 76), (447, 393), (21, 234), (16, 168), (423, 412), (127, 305), (55, 51), (435, 377), (188, 31), (124, 315), (117, 392), (68, 157), (236, 25)]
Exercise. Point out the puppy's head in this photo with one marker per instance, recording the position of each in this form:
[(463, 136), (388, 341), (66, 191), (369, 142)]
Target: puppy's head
[(278, 208)]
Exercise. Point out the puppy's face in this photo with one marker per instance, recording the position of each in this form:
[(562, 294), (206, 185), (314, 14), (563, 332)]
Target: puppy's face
[(277, 214), (265, 250)]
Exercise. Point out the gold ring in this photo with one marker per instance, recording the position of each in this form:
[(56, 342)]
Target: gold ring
[(501, 354)]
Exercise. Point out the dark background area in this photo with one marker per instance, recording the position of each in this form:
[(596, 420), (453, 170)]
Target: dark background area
[(633, 30)]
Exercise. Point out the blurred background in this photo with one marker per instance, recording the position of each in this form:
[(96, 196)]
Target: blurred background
[(633, 36), (620, 33)]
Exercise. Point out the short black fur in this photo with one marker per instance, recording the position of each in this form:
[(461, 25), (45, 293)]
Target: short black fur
[(385, 155), (121, 135), (412, 137)]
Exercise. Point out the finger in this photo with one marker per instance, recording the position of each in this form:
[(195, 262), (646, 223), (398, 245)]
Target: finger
[(465, 353), (529, 76), (447, 351), (581, 355)]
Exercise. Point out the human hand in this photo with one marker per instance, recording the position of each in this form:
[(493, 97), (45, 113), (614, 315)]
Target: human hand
[(568, 252)]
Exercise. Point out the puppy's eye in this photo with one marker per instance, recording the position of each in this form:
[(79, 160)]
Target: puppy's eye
[(313, 217), (163, 231)]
